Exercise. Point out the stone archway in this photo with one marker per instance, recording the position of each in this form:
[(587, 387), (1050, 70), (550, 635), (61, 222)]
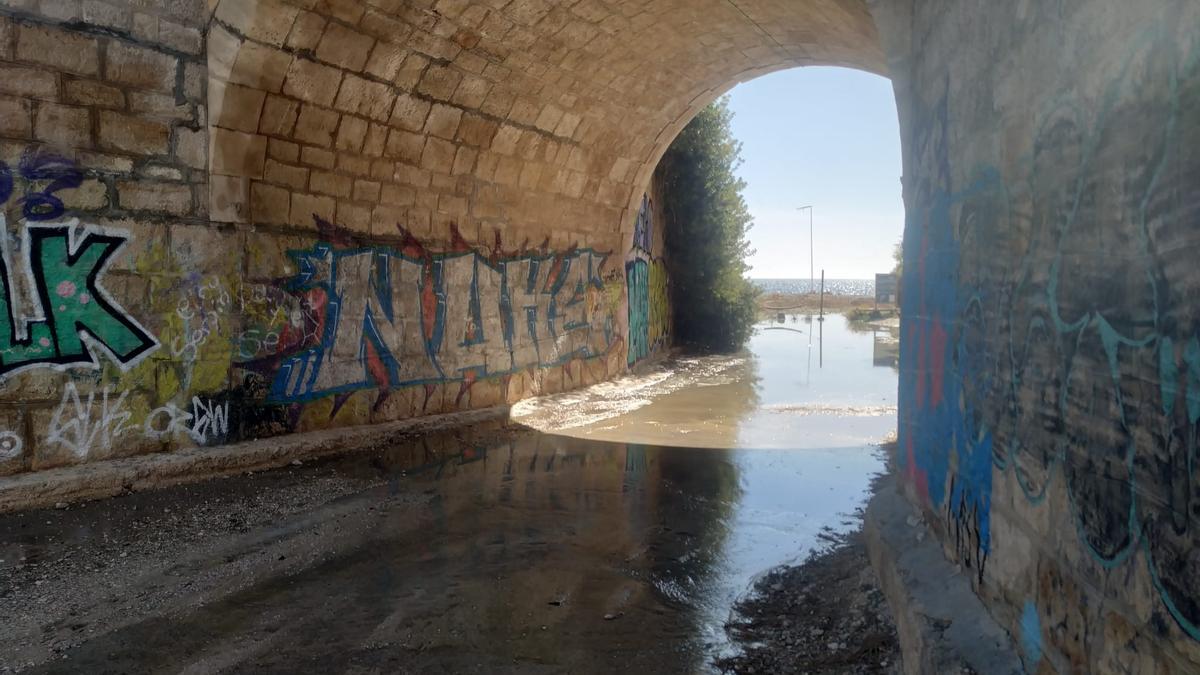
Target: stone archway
[(519, 131), (407, 206), (533, 117)]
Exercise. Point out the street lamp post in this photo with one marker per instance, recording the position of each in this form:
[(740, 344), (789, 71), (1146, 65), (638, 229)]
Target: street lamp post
[(811, 275)]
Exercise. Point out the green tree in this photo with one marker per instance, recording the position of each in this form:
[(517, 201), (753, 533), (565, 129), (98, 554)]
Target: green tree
[(707, 221)]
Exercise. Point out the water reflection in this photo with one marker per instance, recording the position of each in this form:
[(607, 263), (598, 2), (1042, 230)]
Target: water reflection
[(597, 549), (689, 402), (886, 348), (536, 553), (803, 409), (779, 393)]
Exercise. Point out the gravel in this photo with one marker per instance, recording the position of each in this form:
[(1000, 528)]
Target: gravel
[(826, 615)]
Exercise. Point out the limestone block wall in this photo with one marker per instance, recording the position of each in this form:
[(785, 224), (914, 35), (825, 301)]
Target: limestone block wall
[(234, 219), (1050, 369), (105, 193), (247, 219)]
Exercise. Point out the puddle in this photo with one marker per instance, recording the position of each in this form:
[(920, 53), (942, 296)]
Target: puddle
[(800, 384), (615, 539), (802, 412)]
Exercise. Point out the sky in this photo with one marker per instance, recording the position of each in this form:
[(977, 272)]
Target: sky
[(826, 137)]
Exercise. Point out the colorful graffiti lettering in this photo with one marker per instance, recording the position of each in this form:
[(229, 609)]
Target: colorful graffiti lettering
[(939, 427), (58, 313), (1051, 332), (659, 325), (387, 317), (72, 317), (637, 278), (646, 288)]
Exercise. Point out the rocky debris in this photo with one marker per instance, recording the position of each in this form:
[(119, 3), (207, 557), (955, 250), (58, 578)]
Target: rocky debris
[(826, 615)]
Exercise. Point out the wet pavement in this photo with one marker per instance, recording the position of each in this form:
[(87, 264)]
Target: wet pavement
[(618, 538)]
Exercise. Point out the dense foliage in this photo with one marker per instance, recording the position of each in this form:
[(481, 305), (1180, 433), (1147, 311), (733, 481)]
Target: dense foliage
[(707, 221)]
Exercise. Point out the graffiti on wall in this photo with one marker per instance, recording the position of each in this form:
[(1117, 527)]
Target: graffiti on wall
[(41, 168), (392, 316), (1075, 357), (946, 445), (54, 308), (643, 227), (637, 280), (68, 318), (659, 310), (646, 284), (102, 419)]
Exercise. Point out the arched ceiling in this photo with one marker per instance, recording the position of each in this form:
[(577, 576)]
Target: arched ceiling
[(535, 118)]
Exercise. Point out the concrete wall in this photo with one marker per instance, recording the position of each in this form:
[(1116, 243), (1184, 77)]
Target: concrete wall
[(1050, 369)]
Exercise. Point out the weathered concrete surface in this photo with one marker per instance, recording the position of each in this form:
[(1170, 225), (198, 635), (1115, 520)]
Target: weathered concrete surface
[(1050, 369), (942, 624)]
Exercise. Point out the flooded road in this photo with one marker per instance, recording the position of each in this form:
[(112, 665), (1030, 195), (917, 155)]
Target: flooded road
[(801, 414), (617, 538), (799, 385)]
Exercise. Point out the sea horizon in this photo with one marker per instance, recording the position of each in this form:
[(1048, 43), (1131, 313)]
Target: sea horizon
[(849, 287)]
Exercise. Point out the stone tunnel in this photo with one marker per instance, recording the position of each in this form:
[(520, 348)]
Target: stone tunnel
[(234, 220)]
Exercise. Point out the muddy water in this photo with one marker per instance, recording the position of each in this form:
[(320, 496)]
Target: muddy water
[(799, 415), (616, 539), (801, 384)]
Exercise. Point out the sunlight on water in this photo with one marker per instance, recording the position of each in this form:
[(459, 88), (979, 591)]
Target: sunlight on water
[(803, 410), (860, 288)]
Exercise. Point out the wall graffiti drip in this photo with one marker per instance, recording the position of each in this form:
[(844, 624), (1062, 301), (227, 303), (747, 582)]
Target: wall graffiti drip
[(946, 445)]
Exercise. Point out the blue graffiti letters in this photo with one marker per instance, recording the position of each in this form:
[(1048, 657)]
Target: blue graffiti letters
[(38, 165), (393, 319)]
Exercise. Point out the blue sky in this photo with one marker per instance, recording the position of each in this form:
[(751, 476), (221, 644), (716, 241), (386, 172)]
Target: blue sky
[(827, 137)]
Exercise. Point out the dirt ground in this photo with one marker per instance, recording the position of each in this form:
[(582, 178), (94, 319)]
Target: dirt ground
[(826, 615)]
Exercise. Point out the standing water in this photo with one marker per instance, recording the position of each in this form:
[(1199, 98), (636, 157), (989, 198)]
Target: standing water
[(615, 536), (799, 414)]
